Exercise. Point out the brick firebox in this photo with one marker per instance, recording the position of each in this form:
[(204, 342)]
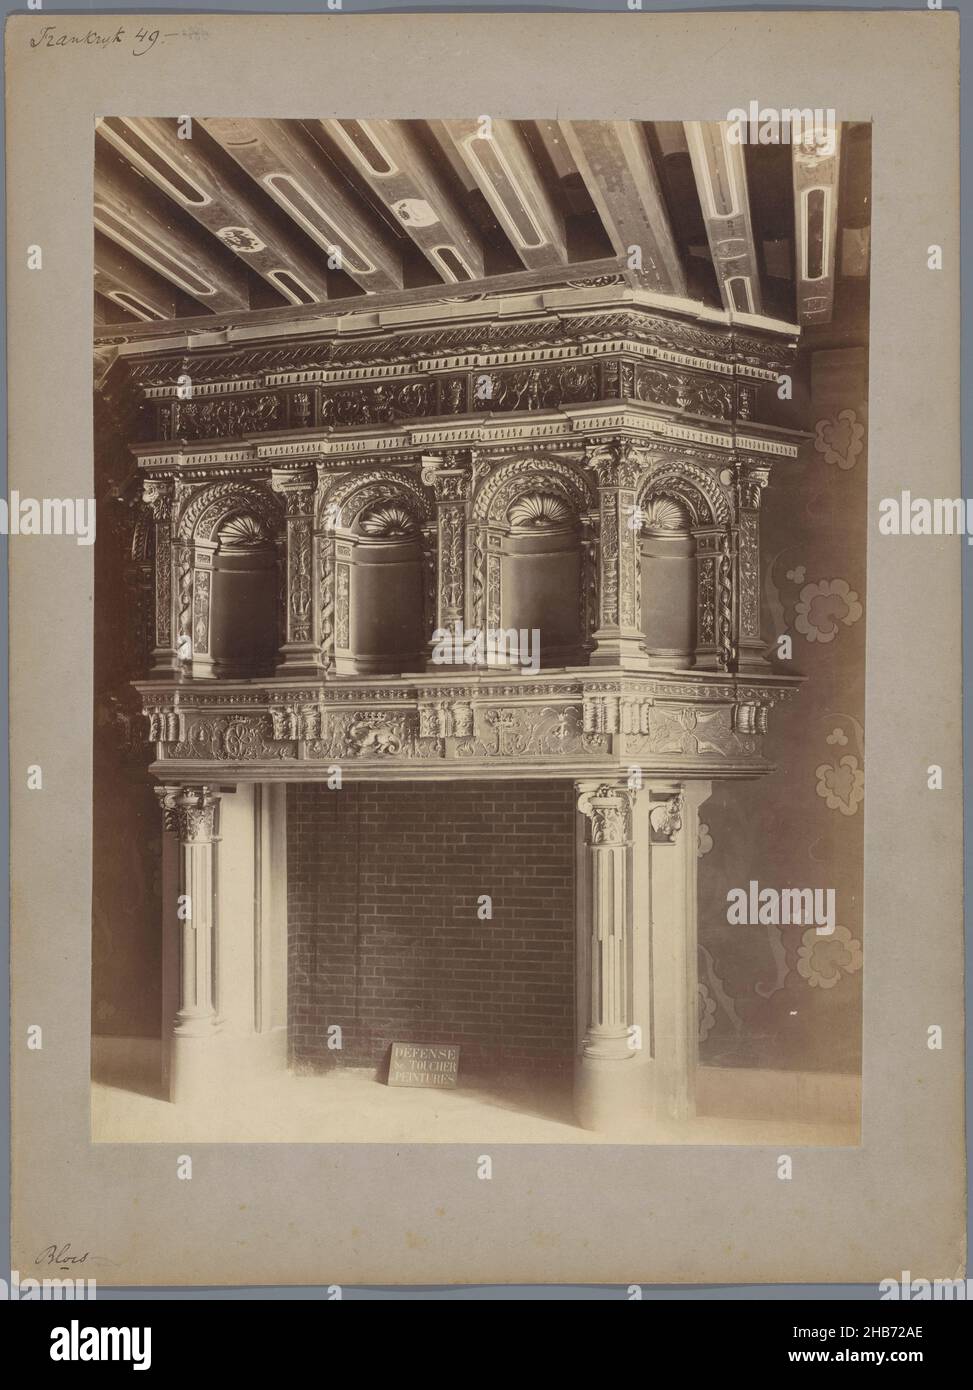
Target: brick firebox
[(388, 936)]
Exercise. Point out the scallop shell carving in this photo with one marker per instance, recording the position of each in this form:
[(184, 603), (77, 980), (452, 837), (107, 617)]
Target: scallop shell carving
[(242, 532), (536, 511), (388, 520), (665, 514)]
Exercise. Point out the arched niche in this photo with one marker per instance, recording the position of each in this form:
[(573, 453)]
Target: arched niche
[(532, 557), (381, 627), (669, 582), (243, 603), (227, 592), (540, 578), (687, 519)]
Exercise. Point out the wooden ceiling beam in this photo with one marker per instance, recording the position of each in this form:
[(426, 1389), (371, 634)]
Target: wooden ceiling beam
[(128, 284), (499, 159), (614, 160), (721, 183), (391, 159), (223, 206), (816, 164), (128, 219), (312, 193)]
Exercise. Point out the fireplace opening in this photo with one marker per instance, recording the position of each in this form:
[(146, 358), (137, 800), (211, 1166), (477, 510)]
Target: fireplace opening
[(437, 914)]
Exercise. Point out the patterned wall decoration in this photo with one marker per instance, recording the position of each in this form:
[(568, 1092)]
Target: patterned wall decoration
[(785, 997)]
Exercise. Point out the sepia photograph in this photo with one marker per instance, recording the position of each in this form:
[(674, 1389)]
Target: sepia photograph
[(479, 628), (486, 534)]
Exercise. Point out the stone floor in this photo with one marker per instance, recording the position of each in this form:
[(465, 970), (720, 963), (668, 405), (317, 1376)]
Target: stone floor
[(349, 1106)]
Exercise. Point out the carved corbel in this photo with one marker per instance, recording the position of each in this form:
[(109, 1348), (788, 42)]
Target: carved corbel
[(750, 718), (600, 713), (442, 719), (665, 819), (165, 726)]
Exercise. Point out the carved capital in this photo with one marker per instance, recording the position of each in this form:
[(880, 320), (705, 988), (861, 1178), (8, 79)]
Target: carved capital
[(166, 797), (158, 494), (190, 812), (298, 488), (616, 463), (754, 477), (449, 475), (608, 811)]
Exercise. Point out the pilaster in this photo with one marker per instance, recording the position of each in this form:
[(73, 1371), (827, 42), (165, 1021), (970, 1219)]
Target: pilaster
[(190, 814), (618, 637), (158, 495), (673, 830), (752, 649), (300, 654), (449, 475), (604, 1095)]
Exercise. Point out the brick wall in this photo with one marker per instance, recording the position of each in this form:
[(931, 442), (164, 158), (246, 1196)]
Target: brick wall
[(384, 938)]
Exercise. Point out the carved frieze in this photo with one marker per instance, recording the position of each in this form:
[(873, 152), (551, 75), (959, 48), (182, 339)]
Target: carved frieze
[(219, 417), (517, 731), (228, 738), (689, 732), (682, 391), (477, 722), (380, 403), (300, 363), (366, 734), (535, 388)]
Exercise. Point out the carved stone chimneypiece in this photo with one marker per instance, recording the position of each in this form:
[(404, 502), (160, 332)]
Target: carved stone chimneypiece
[(590, 470)]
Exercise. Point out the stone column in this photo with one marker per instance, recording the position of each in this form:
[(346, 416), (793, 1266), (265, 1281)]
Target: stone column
[(158, 494), (450, 478), (618, 637), (300, 654), (637, 968), (190, 813), (604, 1094), (251, 929), (673, 830)]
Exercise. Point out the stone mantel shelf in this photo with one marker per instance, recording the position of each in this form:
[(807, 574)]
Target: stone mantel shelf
[(565, 723)]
